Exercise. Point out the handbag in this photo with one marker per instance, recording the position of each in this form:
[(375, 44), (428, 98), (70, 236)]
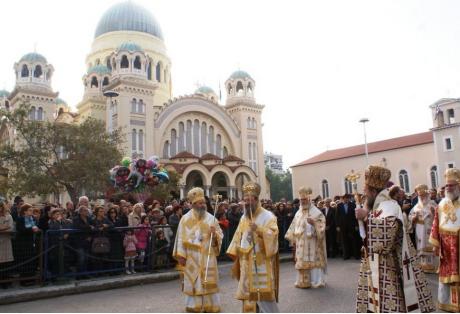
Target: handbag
[(100, 245)]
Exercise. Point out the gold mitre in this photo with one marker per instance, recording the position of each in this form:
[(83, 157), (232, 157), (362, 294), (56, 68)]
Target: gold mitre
[(377, 177), (251, 189), (195, 195), (452, 174), (305, 192), (421, 188)]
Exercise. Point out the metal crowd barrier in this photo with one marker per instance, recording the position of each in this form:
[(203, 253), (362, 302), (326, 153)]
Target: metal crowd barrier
[(69, 253), (28, 258)]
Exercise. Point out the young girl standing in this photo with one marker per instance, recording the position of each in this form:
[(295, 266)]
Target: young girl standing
[(129, 243)]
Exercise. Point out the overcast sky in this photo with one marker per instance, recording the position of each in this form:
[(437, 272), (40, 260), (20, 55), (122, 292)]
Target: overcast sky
[(319, 66)]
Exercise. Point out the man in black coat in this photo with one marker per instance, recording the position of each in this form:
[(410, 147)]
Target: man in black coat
[(347, 226), (331, 233)]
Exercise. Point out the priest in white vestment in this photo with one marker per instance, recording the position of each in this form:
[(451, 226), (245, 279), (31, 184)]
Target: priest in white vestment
[(421, 216), (307, 233)]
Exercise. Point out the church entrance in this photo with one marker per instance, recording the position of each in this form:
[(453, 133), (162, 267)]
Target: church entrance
[(219, 184)]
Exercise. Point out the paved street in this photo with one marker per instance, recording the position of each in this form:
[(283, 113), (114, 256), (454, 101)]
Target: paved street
[(338, 296)]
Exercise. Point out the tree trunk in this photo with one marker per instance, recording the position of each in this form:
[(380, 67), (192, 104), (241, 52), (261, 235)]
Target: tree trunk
[(73, 194)]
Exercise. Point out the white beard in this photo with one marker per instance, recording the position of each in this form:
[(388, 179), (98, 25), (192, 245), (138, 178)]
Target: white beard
[(453, 196), (424, 200)]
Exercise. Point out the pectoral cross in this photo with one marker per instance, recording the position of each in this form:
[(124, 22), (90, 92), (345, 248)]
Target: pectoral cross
[(406, 262)]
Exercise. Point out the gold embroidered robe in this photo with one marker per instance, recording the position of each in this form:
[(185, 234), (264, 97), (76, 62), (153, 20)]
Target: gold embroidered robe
[(256, 283), (192, 243), (423, 221), (310, 247)]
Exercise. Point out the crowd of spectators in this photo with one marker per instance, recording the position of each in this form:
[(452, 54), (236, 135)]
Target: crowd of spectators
[(125, 236)]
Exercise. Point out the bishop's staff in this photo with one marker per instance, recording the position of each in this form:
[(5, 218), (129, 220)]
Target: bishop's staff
[(353, 178), (216, 198), (254, 255)]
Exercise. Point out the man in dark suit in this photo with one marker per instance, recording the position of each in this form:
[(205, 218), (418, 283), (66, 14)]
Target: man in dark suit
[(331, 233), (347, 226)]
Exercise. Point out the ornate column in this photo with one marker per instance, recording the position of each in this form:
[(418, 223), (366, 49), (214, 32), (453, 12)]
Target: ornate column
[(182, 191), (207, 189), (231, 192)]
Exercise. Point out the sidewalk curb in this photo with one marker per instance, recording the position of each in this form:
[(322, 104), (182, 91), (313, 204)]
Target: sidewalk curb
[(37, 293)]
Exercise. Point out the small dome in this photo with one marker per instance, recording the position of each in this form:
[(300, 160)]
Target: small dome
[(60, 101), (99, 69), (127, 16), (240, 75), (204, 90), (4, 93), (33, 57), (130, 46)]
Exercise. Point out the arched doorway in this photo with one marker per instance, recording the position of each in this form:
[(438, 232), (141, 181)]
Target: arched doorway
[(194, 179), (220, 184), (240, 180)]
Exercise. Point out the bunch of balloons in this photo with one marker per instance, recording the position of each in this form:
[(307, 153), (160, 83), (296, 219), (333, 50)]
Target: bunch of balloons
[(135, 175)]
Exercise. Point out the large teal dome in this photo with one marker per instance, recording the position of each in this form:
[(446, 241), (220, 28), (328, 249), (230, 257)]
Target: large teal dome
[(128, 16)]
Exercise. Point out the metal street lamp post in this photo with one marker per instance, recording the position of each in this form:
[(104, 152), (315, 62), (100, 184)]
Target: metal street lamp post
[(363, 121)]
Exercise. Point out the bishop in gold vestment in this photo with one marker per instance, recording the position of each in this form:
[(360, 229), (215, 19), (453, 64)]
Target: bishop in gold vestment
[(254, 248), (307, 232), (196, 254)]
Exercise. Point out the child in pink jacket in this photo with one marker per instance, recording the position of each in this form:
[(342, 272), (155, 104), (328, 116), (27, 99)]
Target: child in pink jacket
[(129, 243), (143, 235)]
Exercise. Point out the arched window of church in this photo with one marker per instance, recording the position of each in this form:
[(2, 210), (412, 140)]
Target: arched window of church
[(24, 71), (98, 61), (204, 138), (61, 111), (158, 72), (211, 140), (188, 136), (434, 177), (229, 88), (134, 105), (249, 88), (134, 140), (173, 142), (196, 138), (348, 186), (166, 150), (141, 106), (225, 152), (38, 71), (404, 181), (254, 123), (94, 82), (108, 63), (32, 113), (137, 63), (114, 64), (105, 82), (239, 86), (325, 188), (141, 140), (181, 136), (249, 123), (40, 114), (124, 62), (149, 70), (219, 145)]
